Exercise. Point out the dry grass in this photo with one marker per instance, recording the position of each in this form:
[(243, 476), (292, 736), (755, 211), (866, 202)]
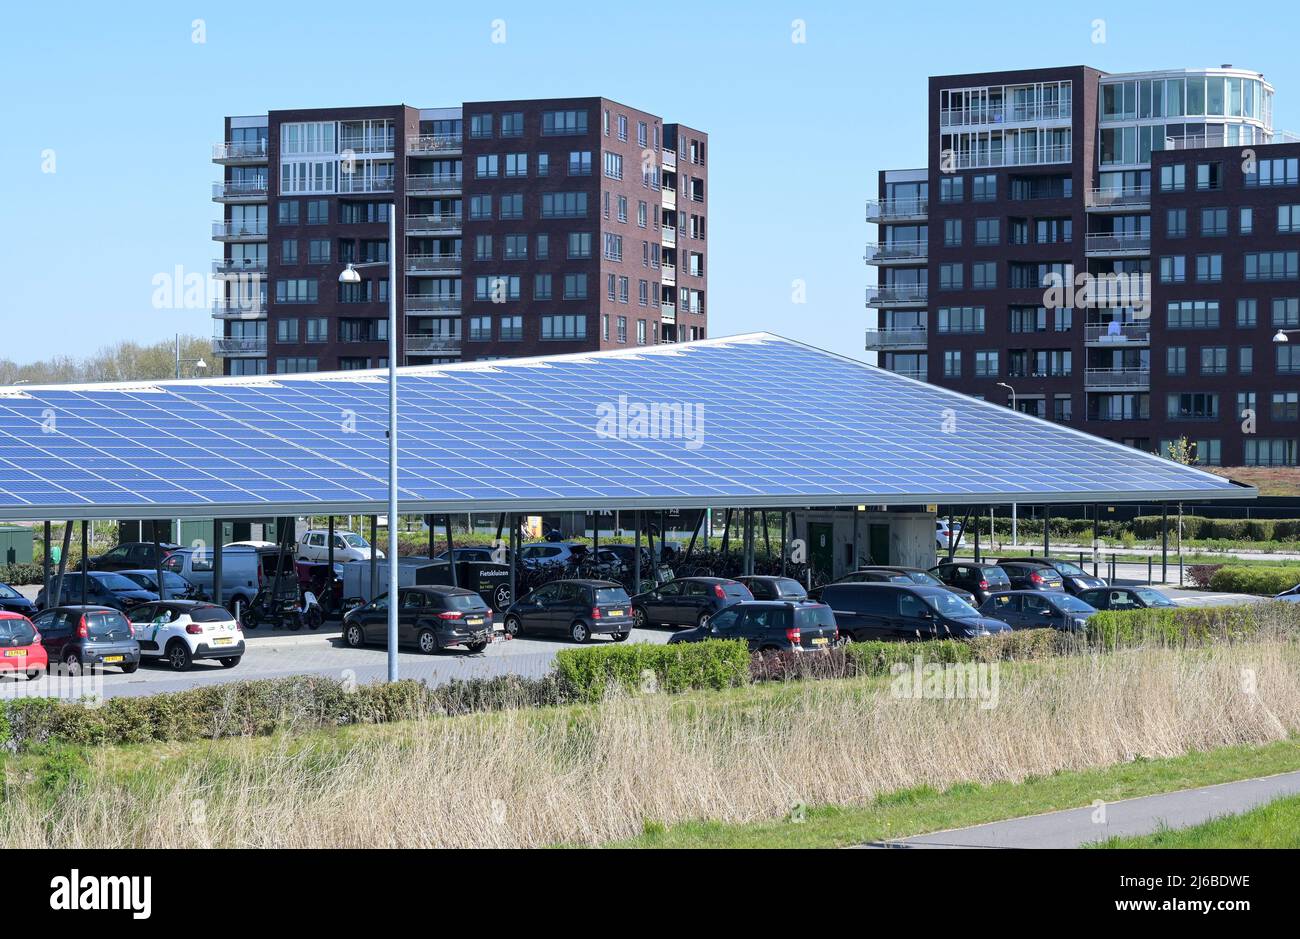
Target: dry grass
[(593, 775)]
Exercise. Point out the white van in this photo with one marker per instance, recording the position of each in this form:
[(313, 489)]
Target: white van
[(241, 571), (348, 546)]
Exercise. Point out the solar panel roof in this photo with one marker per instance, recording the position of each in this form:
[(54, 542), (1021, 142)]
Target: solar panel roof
[(747, 421)]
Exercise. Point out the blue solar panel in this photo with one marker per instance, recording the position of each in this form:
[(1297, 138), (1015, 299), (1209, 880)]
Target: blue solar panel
[(780, 424)]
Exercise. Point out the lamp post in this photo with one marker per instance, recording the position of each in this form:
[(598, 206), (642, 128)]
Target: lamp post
[(1015, 534), (198, 363), (350, 276)]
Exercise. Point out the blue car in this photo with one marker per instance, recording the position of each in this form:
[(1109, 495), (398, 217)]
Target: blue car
[(1289, 596), (904, 612), (1037, 609)]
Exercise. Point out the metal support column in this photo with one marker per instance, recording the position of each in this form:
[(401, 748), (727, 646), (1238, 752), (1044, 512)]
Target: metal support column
[(636, 552), (218, 562), (374, 557), (451, 553), (85, 558), (977, 538), (1096, 535), (1047, 531), (514, 556), (45, 565), (1164, 543), (157, 565)]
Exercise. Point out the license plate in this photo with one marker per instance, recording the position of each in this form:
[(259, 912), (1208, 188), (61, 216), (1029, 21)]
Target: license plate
[(223, 642), (615, 612), (820, 641), (114, 658), (477, 621), (15, 653)]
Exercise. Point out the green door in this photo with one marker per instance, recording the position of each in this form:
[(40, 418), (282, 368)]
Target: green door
[(878, 544), (821, 548)]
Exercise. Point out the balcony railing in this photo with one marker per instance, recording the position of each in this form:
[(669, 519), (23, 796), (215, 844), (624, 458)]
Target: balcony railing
[(435, 182), (1126, 243), (883, 210), (667, 313), (239, 152), (374, 143), (1114, 378), (427, 342), (421, 263), (222, 345), (1118, 333), (358, 182), (669, 200), (239, 266), (897, 252), (909, 295), (239, 307), (1116, 198), (435, 143), (668, 236), (1006, 114), (917, 373), (897, 337), (239, 231), (431, 303), (1035, 156), (223, 191), (416, 224), (668, 160)]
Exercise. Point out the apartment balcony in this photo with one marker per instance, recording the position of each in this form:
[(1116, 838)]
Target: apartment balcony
[(667, 313), (373, 144), (897, 253), (897, 210), (255, 191), (669, 198), (359, 183), (1131, 244), (233, 267), (668, 275), (1036, 156), (237, 154), (435, 143), (897, 337), (238, 308), (668, 159), (432, 224), (1007, 114), (417, 264), (431, 303), (668, 236), (239, 231), (1126, 199), (918, 374), (1117, 379), (1117, 334), (223, 345), (906, 296), (427, 343), (436, 182)]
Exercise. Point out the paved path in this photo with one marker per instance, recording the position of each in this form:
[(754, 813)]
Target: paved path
[(1075, 827)]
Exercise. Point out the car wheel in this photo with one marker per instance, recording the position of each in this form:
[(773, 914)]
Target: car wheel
[(477, 647), (354, 637), (72, 664), (232, 661), (579, 632), (249, 618), (314, 619), (703, 621), (619, 637), (427, 641), (130, 668), (178, 656), (638, 617), (514, 626)]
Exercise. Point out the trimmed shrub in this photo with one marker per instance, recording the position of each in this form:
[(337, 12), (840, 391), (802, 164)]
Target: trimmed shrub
[(21, 574), (1200, 574), (877, 657), (1192, 625), (1259, 580), (683, 666)]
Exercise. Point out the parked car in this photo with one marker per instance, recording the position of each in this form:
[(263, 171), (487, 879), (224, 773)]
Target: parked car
[(765, 587), (687, 601), (1036, 609), (180, 631), (1289, 596), (484, 554), (947, 534), (578, 609), (178, 588), (770, 626), (1125, 598), (1074, 579), (78, 637), (904, 612), (243, 571), (979, 579), (20, 646), (314, 545), (541, 554), (102, 588), (1025, 576), (878, 574), (131, 555), (430, 617), (12, 601)]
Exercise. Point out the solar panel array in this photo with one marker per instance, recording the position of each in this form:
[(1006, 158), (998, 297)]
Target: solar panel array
[(779, 424)]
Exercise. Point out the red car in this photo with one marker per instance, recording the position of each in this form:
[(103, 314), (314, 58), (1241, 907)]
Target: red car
[(20, 646)]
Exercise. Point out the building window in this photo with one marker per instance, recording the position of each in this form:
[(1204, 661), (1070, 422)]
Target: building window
[(1209, 176), (613, 247), (480, 328), (1176, 360), (516, 247), (987, 231), (564, 205), (1279, 172), (1246, 220), (951, 189), (496, 288), (480, 126), (318, 329), (1285, 406), (1173, 178), (543, 246), (289, 251), (1286, 311), (640, 333), (1214, 360), (1027, 319), (1288, 358), (1193, 314), (1209, 268), (613, 165), (961, 319), (984, 275), (952, 363), (984, 188), (512, 124), (485, 166), (575, 286), (951, 232), (1193, 406), (950, 276), (1062, 408), (287, 212), (1176, 223), (512, 327), (516, 164), (1246, 359), (1247, 314), (512, 205), (1173, 269), (986, 363), (543, 164), (480, 207), (1272, 265), (318, 251), (564, 327), (483, 248), (1214, 221), (289, 366), (296, 290), (286, 329), (622, 329), (1288, 219), (541, 286), (564, 123), (1270, 452)]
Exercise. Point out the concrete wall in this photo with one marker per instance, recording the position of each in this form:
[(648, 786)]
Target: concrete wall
[(911, 537)]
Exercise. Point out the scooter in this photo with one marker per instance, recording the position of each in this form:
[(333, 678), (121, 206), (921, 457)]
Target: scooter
[(305, 611)]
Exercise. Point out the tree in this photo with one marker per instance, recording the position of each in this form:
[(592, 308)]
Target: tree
[(126, 361), (1181, 451)]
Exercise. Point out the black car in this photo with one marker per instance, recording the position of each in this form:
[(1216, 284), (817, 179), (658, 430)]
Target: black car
[(867, 611), (687, 601), (770, 626), (979, 579), (14, 602), (1024, 575), (1038, 609), (132, 556), (1074, 579), (1126, 598), (765, 587), (578, 609), (905, 576), (102, 588), (178, 588), (481, 553), (78, 637), (431, 618)]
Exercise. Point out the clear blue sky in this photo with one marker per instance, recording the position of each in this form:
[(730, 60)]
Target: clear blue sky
[(131, 106)]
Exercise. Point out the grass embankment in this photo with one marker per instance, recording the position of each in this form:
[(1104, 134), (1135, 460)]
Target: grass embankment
[(1275, 825), (601, 773)]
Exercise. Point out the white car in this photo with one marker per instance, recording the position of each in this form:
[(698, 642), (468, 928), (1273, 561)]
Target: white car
[(180, 631), (348, 546), (944, 534)]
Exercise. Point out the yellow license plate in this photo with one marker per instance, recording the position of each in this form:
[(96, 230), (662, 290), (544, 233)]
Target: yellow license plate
[(820, 641), (113, 658), (15, 653), (615, 612), (223, 642), (475, 622)]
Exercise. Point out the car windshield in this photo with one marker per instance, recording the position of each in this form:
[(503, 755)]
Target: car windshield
[(1154, 597), (949, 604), (737, 590), (814, 617), (9, 593), (355, 541), (108, 625), (996, 575), (117, 582), (925, 579), (1072, 604), (463, 601), (18, 631), (1068, 569), (789, 587), (210, 614), (611, 595)]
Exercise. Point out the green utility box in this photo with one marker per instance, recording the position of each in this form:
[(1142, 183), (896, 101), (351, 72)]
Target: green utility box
[(16, 544)]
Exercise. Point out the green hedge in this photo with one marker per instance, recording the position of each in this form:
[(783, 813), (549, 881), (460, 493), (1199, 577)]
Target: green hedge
[(1192, 625), (1200, 528), (590, 672), (1260, 580), (20, 574)]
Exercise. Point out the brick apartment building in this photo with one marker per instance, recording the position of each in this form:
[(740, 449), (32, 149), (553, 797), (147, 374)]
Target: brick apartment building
[(1173, 181), (522, 228)]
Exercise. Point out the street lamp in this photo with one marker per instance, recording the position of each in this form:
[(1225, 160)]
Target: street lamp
[(1003, 384), (197, 363), (1281, 335), (349, 275)]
